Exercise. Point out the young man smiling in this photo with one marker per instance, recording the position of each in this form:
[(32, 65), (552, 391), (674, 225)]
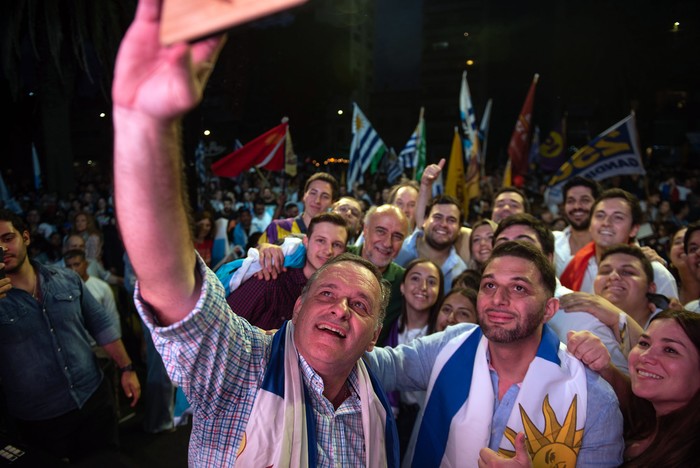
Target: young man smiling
[(615, 219)]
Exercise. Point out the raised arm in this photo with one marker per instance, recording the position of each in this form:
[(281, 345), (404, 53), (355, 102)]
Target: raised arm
[(425, 194), (154, 86)]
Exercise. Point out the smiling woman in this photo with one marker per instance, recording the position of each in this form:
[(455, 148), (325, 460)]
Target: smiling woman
[(663, 419), (422, 291)]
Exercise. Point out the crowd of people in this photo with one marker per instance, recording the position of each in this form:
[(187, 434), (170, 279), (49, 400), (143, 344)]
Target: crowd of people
[(305, 323)]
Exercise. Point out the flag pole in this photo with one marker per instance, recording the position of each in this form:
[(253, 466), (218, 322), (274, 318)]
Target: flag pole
[(420, 119), (487, 118)]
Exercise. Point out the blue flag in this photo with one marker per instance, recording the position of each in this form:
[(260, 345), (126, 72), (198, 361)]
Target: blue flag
[(613, 152)]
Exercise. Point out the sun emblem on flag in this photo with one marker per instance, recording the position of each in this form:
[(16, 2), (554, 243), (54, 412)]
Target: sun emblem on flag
[(241, 448), (557, 446), (358, 123)]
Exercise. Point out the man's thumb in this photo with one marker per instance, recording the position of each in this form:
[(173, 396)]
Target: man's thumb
[(521, 453)]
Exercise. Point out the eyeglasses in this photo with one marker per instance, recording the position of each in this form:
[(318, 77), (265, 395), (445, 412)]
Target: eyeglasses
[(345, 208)]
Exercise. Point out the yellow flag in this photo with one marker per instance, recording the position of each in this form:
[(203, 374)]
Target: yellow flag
[(507, 179), (455, 182)]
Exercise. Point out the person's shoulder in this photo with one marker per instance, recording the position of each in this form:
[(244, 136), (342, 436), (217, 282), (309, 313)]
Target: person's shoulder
[(451, 332), (693, 306), (98, 281), (56, 271), (599, 390), (295, 275), (394, 270)]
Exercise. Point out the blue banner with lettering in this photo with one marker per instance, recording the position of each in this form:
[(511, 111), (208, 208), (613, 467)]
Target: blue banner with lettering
[(613, 152)]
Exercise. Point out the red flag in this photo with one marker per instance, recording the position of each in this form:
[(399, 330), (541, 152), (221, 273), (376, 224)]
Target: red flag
[(518, 149), (266, 151)]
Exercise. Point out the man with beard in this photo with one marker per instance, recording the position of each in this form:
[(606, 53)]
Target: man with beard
[(488, 384), (615, 219), (579, 195), (436, 241), (54, 388)]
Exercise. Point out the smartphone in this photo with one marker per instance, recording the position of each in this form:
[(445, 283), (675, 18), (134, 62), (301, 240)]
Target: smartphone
[(190, 20), (2, 259), (659, 300)]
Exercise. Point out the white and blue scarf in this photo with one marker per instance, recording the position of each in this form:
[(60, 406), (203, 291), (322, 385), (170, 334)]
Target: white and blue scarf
[(456, 423), (233, 273), (281, 429)]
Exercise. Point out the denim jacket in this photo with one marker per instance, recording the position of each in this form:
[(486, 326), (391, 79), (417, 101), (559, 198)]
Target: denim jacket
[(48, 367)]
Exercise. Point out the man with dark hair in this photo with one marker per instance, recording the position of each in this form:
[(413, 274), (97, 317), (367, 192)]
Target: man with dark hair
[(508, 201), (624, 294), (77, 261), (269, 303), (489, 384), (615, 219), (54, 387), (436, 241), (320, 190), (261, 219), (579, 195), (527, 228)]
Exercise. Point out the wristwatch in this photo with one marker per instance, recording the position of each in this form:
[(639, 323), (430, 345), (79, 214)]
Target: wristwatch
[(127, 368)]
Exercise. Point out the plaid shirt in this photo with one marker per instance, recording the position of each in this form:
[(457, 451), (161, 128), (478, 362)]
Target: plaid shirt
[(219, 361)]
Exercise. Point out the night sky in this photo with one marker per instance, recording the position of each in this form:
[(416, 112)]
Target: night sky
[(596, 59)]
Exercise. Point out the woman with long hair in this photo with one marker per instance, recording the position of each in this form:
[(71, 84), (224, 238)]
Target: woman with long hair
[(204, 235), (85, 226), (661, 400), (422, 294), (663, 414), (688, 285), (481, 243)]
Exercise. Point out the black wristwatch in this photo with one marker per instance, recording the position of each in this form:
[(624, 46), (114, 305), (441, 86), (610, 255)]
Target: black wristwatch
[(127, 368)]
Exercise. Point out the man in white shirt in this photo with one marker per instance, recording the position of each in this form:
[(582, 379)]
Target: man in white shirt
[(75, 260), (579, 195), (615, 219)]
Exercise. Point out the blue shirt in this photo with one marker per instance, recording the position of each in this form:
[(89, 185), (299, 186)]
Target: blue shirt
[(453, 266), (48, 366), (408, 367)]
